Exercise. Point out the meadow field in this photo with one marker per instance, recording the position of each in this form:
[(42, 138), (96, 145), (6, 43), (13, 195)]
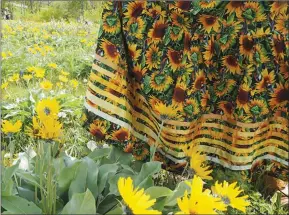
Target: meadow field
[(51, 164)]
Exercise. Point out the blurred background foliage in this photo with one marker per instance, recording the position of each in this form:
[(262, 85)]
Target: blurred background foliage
[(45, 11)]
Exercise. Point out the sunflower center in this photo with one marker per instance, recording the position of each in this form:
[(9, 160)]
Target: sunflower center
[(138, 75), (210, 20), (236, 4), (159, 31), (279, 46), (283, 95), (180, 20), (98, 134), (179, 94), (137, 11), (226, 200), (243, 96), (266, 81), (111, 50), (248, 44), (131, 53), (47, 111), (122, 135), (175, 57), (184, 5), (154, 13), (199, 82), (229, 107), (232, 61)]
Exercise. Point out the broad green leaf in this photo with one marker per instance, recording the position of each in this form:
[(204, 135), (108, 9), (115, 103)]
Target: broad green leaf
[(148, 182), (178, 192), (105, 171), (107, 204), (157, 192), (9, 172), (92, 176), (116, 211), (8, 188), (99, 153), (127, 169), (148, 169), (119, 156), (66, 176), (113, 188), (18, 205), (78, 185), (160, 204), (80, 203), (29, 177), (26, 193)]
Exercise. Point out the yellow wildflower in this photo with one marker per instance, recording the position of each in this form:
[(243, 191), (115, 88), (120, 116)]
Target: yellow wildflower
[(49, 129), (31, 68), (63, 78), (4, 55), (9, 127), (39, 72), (74, 83), (199, 202), (15, 77), (4, 85), (46, 85), (52, 65), (32, 50), (47, 108), (64, 73), (136, 200), (27, 77), (229, 194)]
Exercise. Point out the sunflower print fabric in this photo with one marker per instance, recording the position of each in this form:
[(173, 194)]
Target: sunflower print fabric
[(176, 73)]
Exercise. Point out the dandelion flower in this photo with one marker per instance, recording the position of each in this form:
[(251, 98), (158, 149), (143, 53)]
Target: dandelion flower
[(46, 85), (229, 194), (74, 83), (4, 55), (4, 85), (63, 78), (52, 65), (31, 68), (14, 78), (136, 200), (27, 77), (39, 72), (64, 73), (9, 127)]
